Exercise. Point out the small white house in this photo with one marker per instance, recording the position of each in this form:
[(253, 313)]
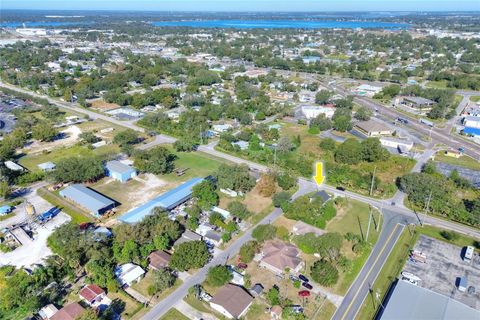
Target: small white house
[(129, 273)]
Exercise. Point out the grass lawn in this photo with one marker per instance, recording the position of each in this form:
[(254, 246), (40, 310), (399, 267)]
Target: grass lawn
[(461, 241), (143, 285), (199, 164), (30, 161), (131, 306), (475, 98), (463, 161), (201, 306), (437, 84), (353, 217), (174, 314), (7, 216), (77, 215)]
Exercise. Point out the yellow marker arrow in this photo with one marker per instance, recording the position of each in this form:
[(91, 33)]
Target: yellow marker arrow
[(319, 176)]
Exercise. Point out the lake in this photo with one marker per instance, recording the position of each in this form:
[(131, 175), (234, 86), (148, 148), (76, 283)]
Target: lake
[(279, 24)]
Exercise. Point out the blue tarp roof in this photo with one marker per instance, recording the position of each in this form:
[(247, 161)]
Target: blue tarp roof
[(167, 201), (86, 197), (470, 130)]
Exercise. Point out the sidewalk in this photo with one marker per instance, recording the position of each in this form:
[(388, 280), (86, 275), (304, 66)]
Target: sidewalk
[(136, 295)]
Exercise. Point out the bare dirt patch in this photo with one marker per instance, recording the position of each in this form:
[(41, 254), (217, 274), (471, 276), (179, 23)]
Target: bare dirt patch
[(70, 138)]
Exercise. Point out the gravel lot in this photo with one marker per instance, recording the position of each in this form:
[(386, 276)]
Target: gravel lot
[(443, 268)]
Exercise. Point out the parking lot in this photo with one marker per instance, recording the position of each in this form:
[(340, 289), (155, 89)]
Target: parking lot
[(443, 268)]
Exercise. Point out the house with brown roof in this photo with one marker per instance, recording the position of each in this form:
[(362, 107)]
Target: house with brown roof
[(94, 296), (158, 259), (70, 311), (277, 256), (232, 301)]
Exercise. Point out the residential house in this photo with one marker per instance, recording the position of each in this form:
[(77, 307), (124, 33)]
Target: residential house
[(277, 256), (47, 312), (47, 166), (232, 301), (213, 237), (158, 259), (94, 296), (187, 236), (128, 273), (120, 171), (70, 311)]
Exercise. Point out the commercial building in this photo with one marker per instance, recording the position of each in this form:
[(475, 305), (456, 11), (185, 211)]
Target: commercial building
[(88, 199), (166, 201), (471, 122), (403, 146), (372, 128), (232, 301), (419, 103), (367, 90), (120, 171), (47, 166), (311, 112), (408, 301)]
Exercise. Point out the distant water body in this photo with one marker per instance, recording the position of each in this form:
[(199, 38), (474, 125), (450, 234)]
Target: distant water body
[(282, 24), (37, 24)]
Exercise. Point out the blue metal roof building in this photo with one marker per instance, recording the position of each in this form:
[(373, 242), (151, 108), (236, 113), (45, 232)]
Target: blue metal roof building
[(470, 130), (120, 171), (167, 201), (87, 198)]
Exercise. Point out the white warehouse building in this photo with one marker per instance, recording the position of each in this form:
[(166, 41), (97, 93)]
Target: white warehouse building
[(311, 112)]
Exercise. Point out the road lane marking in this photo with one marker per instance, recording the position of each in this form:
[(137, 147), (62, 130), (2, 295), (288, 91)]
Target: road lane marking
[(369, 271)]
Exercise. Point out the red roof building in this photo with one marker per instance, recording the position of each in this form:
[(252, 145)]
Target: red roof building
[(92, 294)]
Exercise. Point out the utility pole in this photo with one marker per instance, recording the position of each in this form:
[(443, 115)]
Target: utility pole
[(373, 179), (427, 207), (369, 222)]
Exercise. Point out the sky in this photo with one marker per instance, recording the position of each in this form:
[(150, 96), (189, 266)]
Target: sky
[(246, 5)]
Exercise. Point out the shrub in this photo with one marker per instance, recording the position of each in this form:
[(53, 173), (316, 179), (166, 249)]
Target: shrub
[(280, 198), (324, 273), (449, 235)]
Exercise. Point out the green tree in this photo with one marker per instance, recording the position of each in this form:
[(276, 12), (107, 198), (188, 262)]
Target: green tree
[(44, 131), (190, 255), (5, 189), (349, 152), (126, 137), (158, 160), (286, 181), (238, 209), (234, 177), (281, 199), (162, 280), (324, 273), (78, 169), (328, 144), (363, 114), (264, 232), (321, 122), (248, 251), (273, 296), (373, 151), (323, 96), (219, 275), (205, 194)]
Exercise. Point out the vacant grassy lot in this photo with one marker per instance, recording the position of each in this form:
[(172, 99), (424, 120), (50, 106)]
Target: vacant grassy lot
[(174, 314), (199, 164), (463, 161), (30, 161), (437, 84), (353, 217), (475, 98)]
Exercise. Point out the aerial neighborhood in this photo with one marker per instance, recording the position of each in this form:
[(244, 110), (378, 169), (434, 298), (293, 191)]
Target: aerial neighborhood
[(239, 166)]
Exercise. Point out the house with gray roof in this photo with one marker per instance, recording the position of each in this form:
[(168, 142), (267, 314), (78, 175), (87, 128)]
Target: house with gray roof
[(88, 199)]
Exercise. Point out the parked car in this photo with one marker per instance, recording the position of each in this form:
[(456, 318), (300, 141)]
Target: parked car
[(242, 265), (304, 293), (303, 278), (307, 285), (341, 188), (293, 278)]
